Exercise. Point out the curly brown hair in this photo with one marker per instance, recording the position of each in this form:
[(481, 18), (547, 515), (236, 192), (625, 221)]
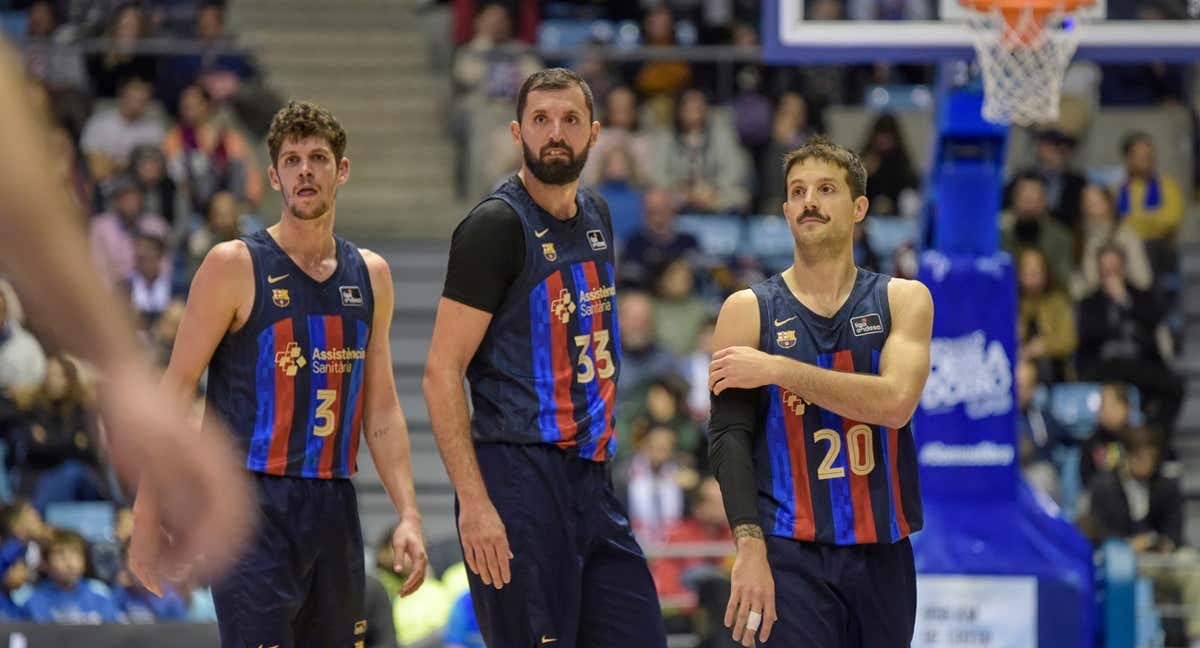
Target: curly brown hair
[(819, 148), (301, 119)]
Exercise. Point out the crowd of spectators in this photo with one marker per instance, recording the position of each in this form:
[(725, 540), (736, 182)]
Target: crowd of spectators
[(149, 143)]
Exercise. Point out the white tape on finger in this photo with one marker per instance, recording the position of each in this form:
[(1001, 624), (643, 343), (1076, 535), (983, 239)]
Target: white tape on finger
[(753, 620)]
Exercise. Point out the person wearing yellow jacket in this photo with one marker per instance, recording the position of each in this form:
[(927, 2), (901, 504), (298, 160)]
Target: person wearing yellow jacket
[(1148, 202)]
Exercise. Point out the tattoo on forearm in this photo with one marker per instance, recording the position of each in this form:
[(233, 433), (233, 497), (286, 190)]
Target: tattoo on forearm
[(748, 531), (380, 432)]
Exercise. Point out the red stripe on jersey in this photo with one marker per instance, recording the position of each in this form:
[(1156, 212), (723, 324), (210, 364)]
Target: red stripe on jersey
[(336, 382), (285, 400), (805, 527), (607, 388), (860, 485), (897, 502), (563, 368)]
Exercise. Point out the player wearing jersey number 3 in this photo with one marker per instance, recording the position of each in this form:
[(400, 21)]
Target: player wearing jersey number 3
[(817, 374), (292, 323)]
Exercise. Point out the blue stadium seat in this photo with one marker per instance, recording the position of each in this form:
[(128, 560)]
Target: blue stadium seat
[(886, 234), (568, 33), (770, 238), (898, 98), (719, 236), (1075, 406), (12, 23), (92, 520)]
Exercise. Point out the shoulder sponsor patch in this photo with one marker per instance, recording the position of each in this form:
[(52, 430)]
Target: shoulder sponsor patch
[(596, 240), (867, 324), (351, 295)]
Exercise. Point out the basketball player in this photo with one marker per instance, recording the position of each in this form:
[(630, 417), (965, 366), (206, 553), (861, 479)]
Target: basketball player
[(203, 499), (292, 323), (528, 315), (819, 371)]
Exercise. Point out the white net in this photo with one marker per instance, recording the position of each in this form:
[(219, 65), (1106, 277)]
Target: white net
[(1023, 63)]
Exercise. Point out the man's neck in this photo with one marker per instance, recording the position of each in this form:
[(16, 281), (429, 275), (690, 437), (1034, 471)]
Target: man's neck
[(821, 280), (309, 242), (557, 200)]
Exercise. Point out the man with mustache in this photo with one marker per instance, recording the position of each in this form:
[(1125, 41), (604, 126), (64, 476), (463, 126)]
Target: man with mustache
[(528, 315), (292, 324), (818, 373)]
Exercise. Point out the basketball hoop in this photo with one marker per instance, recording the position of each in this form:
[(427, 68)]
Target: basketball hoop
[(1023, 47)]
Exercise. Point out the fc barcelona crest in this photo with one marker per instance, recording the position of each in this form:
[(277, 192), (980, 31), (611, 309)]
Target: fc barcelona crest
[(279, 297), (549, 252), (786, 339)]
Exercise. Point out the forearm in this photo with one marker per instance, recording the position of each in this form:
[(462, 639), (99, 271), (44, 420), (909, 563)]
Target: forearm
[(447, 402), (387, 439), (865, 398)]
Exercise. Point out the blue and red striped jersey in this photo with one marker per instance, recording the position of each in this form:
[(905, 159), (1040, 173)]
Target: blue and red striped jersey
[(547, 368), (289, 382), (824, 477)]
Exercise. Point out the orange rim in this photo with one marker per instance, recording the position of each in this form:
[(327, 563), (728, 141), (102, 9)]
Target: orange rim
[(1020, 32)]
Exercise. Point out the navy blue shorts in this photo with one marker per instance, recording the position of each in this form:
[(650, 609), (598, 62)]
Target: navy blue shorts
[(579, 579), (301, 581), (859, 596)]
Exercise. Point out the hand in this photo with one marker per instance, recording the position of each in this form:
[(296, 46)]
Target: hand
[(752, 588), (409, 548), (194, 499), (485, 543), (1034, 348), (1143, 542), (739, 367)]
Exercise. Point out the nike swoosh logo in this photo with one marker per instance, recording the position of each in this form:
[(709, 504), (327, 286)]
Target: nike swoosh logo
[(281, 277), (546, 640), (782, 322), (540, 235)]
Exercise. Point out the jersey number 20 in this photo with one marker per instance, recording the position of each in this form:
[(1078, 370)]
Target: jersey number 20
[(860, 446)]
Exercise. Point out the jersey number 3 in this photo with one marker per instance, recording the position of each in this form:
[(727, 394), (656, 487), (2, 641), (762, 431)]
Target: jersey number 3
[(326, 418), (603, 365)]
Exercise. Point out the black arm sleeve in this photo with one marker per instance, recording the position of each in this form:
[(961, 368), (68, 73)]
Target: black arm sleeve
[(487, 253), (729, 451)]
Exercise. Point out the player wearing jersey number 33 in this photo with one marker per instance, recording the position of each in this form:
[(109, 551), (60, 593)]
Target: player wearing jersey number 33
[(817, 374)]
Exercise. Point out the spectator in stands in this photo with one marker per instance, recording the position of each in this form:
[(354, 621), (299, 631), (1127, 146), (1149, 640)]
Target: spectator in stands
[(114, 231), (1028, 224), (663, 403), (657, 243), (69, 169), (621, 187), (642, 361), (1099, 227), (1149, 202), (66, 596), (864, 254), (149, 287), (14, 575), (110, 135), (22, 361), (462, 629), (1064, 185), (224, 222), (50, 53), (679, 311), (753, 119), (493, 65), (164, 332), (149, 167), (206, 157), (700, 160), (1118, 333), (1102, 450), (217, 68), (892, 183), (655, 488), (22, 522), (59, 461), (136, 604), (620, 129), (120, 59), (706, 523), (789, 131), (1140, 504), (1038, 435), (1046, 317), (661, 79), (695, 371)]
